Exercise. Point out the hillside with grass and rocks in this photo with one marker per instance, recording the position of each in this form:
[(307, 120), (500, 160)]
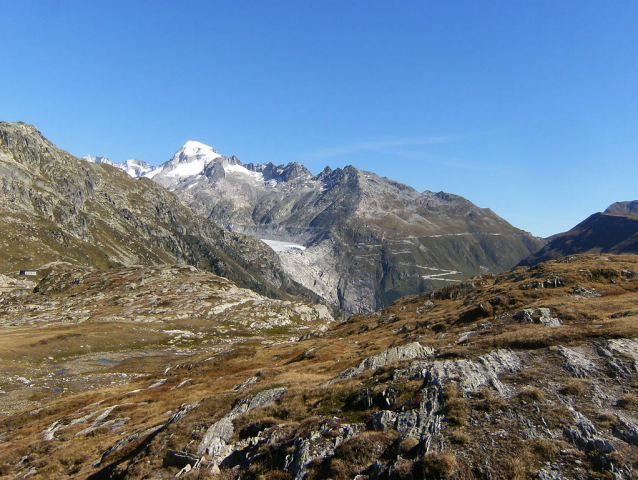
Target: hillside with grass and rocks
[(57, 208), (538, 361)]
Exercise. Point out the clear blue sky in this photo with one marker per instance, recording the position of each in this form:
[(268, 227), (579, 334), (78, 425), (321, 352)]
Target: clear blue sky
[(527, 107)]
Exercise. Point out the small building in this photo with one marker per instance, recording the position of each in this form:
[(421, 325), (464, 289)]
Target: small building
[(28, 273)]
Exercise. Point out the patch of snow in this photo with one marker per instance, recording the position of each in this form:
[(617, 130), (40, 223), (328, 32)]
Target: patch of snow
[(136, 168), (105, 160), (188, 169), (188, 161), (197, 149), (244, 171), (153, 172), (279, 246), (195, 182)]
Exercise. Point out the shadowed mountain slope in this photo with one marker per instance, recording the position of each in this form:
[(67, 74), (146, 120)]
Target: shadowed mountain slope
[(614, 231)]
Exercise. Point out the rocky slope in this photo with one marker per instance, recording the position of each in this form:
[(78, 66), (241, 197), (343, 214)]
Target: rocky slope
[(625, 208), (55, 207), (134, 167), (83, 328), (613, 231), (357, 239), (538, 361)]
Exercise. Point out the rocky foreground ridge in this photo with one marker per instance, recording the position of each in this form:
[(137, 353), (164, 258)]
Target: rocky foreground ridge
[(530, 374), (362, 240), (55, 207)]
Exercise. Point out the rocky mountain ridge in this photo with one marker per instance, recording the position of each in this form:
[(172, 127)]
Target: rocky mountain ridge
[(613, 231), (133, 167), (56, 207), (366, 240), (625, 208)]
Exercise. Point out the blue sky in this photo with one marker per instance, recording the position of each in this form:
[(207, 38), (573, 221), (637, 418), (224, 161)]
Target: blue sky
[(527, 107)]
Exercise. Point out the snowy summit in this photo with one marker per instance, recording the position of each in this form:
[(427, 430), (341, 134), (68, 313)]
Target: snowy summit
[(188, 161)]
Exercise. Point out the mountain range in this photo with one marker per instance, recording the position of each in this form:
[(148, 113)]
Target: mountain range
[(57, 208), (358, 240)]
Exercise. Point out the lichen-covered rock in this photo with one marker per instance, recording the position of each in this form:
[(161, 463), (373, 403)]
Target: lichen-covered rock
[(215, 441), (576, 363), (411, 351), (537, 315)]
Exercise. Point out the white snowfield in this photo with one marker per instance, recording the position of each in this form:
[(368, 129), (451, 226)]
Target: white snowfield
[(187, 169), (244, 171), (279, 246)]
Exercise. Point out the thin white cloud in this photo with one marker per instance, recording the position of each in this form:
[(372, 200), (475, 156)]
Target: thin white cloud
[(444, 161), (382, 145)]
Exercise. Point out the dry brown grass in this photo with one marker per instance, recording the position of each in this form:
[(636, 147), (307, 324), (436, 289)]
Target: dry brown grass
[(573, 387), (487, 401), (457, 407), (408, 446), (606, 418), (437, 465), (402, 470), (308, 405), (459, 437), (627, 401), (532, 394), (359, 451)]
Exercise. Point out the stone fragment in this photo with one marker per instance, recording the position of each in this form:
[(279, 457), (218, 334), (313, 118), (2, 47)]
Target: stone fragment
[(538, 315)]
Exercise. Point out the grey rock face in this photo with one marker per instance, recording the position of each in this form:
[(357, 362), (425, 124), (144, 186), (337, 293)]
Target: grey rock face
[(585, 435), (624, 208), (318, 446), (216, 438), (410, 351), (626, 430), (576, 363), (538, 315), (469, 375)]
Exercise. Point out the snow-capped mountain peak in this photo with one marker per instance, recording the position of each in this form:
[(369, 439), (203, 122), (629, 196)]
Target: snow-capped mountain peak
[(188, 161), (104, 160), (197, 149), (136, 168)]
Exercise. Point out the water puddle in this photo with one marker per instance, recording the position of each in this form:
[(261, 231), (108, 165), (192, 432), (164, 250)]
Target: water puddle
[(109, 362)]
